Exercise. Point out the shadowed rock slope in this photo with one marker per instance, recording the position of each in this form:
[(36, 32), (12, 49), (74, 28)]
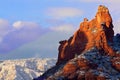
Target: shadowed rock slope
[(92, 53)]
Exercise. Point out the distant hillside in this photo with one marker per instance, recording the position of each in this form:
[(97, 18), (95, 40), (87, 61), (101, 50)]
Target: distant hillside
[(24, 69)]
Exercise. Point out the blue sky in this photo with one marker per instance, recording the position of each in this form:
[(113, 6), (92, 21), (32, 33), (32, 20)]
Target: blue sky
[(33, 28)]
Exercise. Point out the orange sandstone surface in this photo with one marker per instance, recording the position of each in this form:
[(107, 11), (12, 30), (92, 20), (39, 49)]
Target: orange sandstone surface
[(97, 32)]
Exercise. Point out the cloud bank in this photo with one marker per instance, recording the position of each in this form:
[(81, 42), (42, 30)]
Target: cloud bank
[(64, 12), (18, 34), (24, 24), (63, 28)]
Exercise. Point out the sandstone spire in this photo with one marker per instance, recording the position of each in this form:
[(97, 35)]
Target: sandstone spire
[(97, 32)]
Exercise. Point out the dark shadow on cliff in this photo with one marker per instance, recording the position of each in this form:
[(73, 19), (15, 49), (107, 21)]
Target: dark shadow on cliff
[(75, 45)]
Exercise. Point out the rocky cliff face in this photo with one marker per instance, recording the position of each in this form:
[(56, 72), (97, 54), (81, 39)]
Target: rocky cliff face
[(92, 53), (96, 32)]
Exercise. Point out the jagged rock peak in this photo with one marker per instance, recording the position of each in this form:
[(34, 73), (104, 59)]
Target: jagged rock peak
[(97, 32)]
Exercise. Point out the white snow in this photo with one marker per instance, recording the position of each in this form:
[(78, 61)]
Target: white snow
[(24, 69)]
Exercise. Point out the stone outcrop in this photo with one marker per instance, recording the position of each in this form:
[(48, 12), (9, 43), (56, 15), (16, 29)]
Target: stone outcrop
[(91, 65), (92, 53), (96, 32)]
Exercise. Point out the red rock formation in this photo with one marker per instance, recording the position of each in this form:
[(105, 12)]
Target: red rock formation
[(90, 66), (97, 32), (69, 69), (90, 76), (87, 55), (101, 78)]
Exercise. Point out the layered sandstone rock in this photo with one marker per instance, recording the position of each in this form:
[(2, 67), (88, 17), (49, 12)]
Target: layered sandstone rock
[(96, 32)]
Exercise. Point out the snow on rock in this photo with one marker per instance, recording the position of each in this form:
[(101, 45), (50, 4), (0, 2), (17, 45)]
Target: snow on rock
[(90, 65), (24, 69)]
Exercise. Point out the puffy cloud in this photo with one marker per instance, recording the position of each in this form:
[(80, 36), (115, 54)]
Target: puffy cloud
[(64, 12), (25, 30), (63, 28), (23, 24)]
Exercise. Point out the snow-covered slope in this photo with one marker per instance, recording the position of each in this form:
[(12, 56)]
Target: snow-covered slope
[(24, 69), (90, 65)]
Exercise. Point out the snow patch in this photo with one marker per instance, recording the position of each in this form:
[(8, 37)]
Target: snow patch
[(24, 69)]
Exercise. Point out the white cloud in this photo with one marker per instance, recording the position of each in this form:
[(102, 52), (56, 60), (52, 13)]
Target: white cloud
[(64, 12), (63, 28), (24, 24), (25, 30)]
